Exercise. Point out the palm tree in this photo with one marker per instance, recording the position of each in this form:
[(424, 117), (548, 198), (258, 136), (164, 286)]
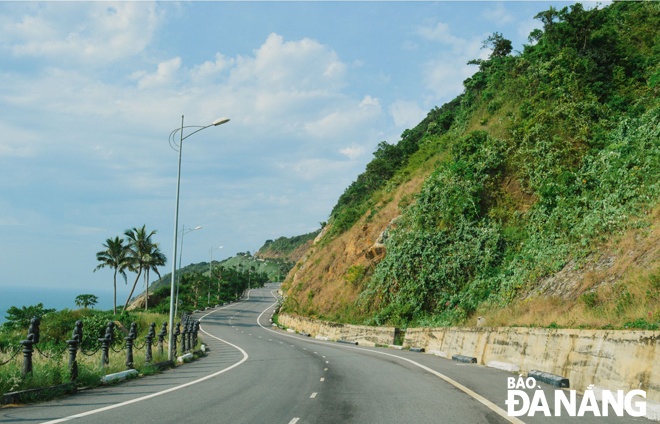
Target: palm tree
[(139, 248), (114, 256), (155, 258)]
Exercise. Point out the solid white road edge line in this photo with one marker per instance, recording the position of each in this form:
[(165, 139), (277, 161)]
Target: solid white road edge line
[(172, 389), (490, 405)]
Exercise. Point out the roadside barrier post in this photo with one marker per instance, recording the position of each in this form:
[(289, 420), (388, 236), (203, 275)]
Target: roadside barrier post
[(32, 339), (190, 331), (132, 335), (184, 336), (150, 336), (175, 335), (161, 338), (195, 333), (106, 341), (73, 346)]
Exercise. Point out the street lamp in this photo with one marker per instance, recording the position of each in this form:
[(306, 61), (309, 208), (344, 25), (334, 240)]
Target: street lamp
[(178, 275), (172, 140), (211, 250)]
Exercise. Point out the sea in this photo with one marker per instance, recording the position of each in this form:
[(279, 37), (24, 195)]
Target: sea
[(58, 298)]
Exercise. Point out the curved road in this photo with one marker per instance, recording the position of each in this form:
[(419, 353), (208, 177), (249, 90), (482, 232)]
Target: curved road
[(257, 374)]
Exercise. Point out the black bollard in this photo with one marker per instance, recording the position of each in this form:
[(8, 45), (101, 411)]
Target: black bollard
[(132, 335), (150, 336), (32, 339), (190, 334), (74, 345), (184, 336), (175, 335), (161, 338), (195, 333), (106, 342)]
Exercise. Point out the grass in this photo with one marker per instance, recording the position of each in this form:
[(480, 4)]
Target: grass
[(632, 303), (54, 369)]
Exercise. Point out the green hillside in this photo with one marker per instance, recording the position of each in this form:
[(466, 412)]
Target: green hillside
[(241, 261), (284, 247), (547, 155)]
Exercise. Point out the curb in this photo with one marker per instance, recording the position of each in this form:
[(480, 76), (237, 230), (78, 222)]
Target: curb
[(395, 347), (546, 377), (417, 349), (465, 359), (505, 366), (437, 353), (118, 376), (17, 397), (183, 358), (347, 342)]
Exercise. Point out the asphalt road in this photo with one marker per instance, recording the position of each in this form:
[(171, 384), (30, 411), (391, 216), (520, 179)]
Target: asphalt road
[(257, 374)]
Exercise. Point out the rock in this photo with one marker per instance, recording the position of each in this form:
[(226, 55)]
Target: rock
[(376, 252), (481, 322)]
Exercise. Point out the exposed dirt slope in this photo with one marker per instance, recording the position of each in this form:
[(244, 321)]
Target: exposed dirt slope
[(327, 279)]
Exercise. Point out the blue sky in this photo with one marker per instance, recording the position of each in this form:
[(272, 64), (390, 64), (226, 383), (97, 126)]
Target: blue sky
[(90, 91)]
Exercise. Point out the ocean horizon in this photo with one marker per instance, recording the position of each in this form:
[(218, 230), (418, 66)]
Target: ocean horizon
[(58, 298)]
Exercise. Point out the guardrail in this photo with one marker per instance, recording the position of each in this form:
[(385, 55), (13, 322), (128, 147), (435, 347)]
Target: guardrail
[(186, 330)]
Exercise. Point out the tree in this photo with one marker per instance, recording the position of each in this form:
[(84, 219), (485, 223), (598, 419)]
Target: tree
[(20, 317), (86, 300), (114, 256), (139, 249), (154, 259), (500, 45)]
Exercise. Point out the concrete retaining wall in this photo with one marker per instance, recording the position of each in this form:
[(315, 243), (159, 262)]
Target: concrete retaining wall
[(616, 360), (364, 335)]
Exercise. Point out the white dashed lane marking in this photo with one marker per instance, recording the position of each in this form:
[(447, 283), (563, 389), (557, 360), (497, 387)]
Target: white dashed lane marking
[(313, 395)]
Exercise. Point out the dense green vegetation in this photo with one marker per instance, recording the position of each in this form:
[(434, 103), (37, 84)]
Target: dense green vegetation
[(198, 290), (286, 245), (388, 159), (56, 327), (242, 261), (546, 154)]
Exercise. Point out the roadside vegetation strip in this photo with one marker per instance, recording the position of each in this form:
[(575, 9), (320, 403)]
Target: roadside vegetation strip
[(172, 389), (490, 405)]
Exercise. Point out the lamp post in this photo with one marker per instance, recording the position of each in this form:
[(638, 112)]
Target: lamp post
[(211, 250), (178, 275), (172, 140)]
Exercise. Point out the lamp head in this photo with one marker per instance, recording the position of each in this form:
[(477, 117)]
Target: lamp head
[(220, 121), (198, 228)]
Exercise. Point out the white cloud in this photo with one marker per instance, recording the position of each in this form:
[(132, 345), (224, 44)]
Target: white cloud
[(339, 122), (406, 114), (94, 33), (353, 152), (410, 45), (211, 69), (440, 33), (445, 74), (278, 65), (527, 26), (164, 75), (318, 169), (498, 14)]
